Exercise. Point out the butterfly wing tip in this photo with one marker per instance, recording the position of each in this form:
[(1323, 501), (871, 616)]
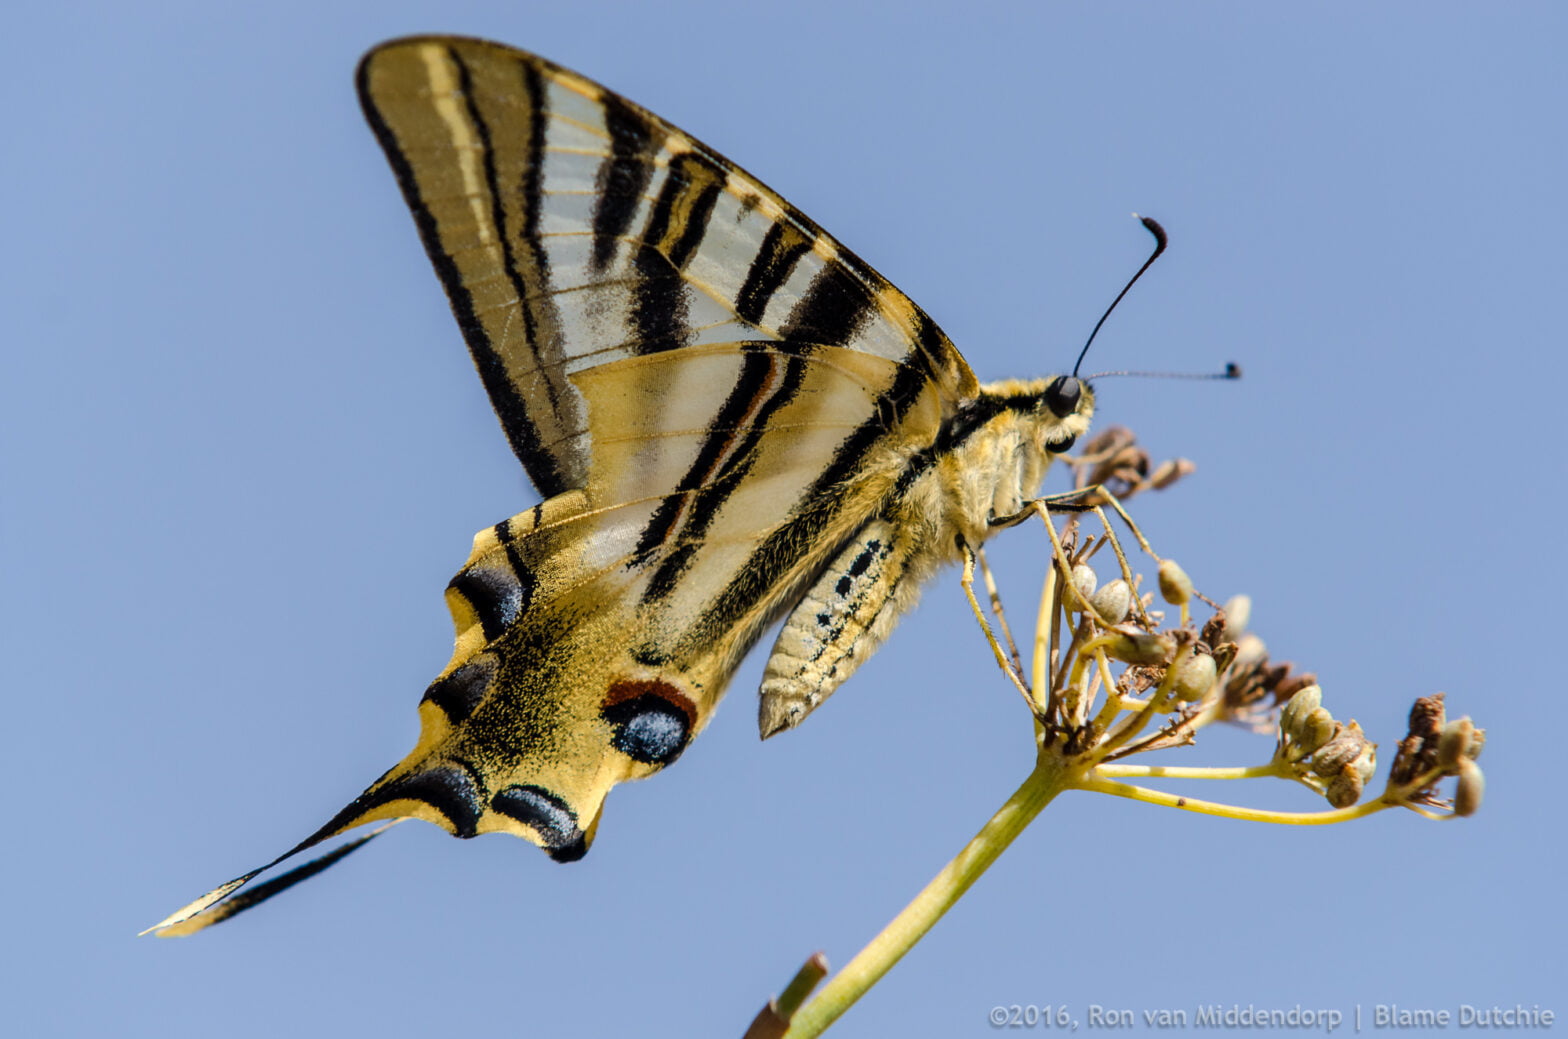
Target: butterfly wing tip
[(172, 926), (168, 927)]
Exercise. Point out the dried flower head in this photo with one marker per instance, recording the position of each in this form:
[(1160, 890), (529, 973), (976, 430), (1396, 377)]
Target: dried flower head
[(1112, 678)]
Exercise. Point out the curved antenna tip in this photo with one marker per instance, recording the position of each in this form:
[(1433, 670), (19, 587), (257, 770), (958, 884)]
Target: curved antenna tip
[(1153, 227), (1160, 241)]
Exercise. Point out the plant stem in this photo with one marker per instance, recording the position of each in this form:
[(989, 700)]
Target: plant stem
[(1118, 771), (1259, 815), (1046, 781)]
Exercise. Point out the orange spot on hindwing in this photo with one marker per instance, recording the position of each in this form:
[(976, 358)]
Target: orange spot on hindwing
[(653, 720)]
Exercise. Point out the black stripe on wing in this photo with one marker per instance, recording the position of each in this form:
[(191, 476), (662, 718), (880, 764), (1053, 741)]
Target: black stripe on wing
[(524, 435), (781, 249), (723, 461), (783, 549), (622, 179)]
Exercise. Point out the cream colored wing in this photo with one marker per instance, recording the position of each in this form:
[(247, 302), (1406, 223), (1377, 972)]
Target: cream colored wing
[(572, 229)]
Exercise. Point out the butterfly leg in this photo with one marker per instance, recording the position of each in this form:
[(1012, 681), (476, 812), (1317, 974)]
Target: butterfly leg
[(1063, 502), (1008, 660)]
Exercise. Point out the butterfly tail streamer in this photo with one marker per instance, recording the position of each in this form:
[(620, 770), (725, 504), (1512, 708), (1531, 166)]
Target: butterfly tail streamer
[(222, 902)]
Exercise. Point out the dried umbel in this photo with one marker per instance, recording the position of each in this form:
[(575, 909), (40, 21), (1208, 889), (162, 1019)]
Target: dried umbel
[(1112, 678)]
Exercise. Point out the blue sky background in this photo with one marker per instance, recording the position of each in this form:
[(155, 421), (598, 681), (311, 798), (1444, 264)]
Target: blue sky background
[(243, 450)]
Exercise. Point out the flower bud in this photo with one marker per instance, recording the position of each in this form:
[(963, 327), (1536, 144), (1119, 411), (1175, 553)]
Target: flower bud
[(1175, 585), (1112, 602), (1194, 678)]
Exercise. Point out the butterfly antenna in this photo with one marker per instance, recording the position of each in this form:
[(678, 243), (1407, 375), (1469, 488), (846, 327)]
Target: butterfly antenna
[(1232, 371), (1154, 228)]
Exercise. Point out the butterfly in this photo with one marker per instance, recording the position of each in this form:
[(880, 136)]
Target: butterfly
[(732, 418)]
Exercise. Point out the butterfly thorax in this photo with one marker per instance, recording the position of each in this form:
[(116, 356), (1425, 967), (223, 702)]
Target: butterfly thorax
[(995, 454)]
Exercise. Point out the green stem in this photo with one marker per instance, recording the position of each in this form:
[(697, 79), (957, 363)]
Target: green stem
[(1046, 781)]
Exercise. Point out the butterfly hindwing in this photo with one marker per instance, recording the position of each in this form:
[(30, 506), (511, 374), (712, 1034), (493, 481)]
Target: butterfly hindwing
[(660, 595)]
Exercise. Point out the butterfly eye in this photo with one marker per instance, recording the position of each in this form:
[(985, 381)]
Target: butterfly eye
[(1062, 396), (1061, 445)]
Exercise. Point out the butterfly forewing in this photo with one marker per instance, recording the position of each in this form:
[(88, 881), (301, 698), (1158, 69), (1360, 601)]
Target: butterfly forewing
[(572, 229)]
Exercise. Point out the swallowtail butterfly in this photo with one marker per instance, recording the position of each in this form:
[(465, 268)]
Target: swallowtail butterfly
[(732, 419)]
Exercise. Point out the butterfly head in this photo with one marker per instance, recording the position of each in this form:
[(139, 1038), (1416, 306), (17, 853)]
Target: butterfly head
[(1062, 412), (1070, 401)]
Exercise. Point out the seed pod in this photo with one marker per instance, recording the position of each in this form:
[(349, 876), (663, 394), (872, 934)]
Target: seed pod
[(1250, 651), (1194, 678), (1338, 752), (1081, 587), (1139, 647), (1365, 763), (1175, 585), (1112, 602), (1316, 729), (1344, 789), (1472, 784), (1238, 613), (1302, 704), (1167, 473), (1454, 742)]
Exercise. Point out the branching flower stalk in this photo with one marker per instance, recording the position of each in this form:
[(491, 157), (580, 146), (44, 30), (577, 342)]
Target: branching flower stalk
[(1109, 679)]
